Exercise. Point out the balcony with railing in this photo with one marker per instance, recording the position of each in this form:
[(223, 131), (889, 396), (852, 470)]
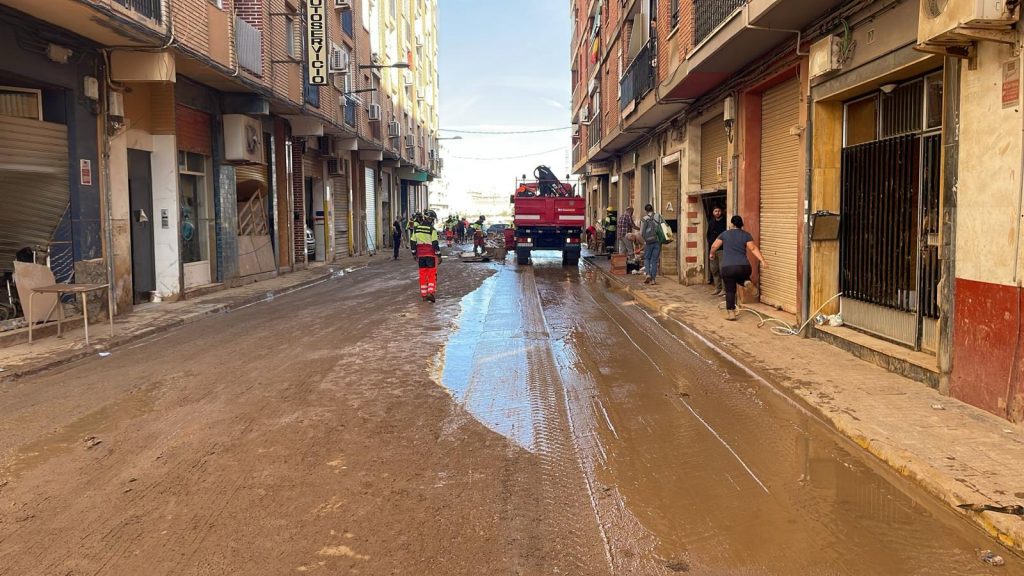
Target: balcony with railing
[(249, 46), (152, 9), (639, 77), (577, 154), (710, 14), (594, 131)]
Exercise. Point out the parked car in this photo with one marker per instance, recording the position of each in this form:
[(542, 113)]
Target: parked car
[(498, 229), (310, 243)]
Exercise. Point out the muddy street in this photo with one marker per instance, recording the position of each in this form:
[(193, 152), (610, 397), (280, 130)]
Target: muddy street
[(533, 421)]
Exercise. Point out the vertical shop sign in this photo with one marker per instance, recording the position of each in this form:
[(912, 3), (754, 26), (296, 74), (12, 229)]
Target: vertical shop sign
[(316, 42)]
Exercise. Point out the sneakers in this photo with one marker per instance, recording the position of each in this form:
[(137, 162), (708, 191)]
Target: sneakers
[(647, 280), (751, 290), (431, 298), (730, 315), (716, 292)]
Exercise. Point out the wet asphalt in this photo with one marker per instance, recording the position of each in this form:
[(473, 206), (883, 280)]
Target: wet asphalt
[(691, 463)]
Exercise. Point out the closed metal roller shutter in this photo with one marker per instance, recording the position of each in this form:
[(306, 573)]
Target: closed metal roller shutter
[(714, 150), (780, 183), (371, 209), (341, 215), (33, 183)]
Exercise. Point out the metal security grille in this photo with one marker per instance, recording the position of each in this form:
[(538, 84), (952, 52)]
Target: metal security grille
[(780, 191), (879, 232), (148, 8), (710, 14), (902, 111), (931, 188)]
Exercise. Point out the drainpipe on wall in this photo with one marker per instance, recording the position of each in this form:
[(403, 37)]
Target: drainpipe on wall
[(108, 219), (805, 300), (950, 179)]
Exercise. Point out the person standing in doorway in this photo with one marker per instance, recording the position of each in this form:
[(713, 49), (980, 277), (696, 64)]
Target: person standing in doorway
[(735, 266), (650, 228), (396, 236), (428, 254), (626, 226), (609, 225), (715, 228)]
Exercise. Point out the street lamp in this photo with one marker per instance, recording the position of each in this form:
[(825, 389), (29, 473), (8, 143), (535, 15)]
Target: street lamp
[(379, 66)]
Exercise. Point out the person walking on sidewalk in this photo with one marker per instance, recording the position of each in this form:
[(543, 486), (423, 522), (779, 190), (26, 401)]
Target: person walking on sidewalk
[(428, 252), (626, 226), (396, 236), (735, 266), (715, 228), (609, 225), (650, 228), (478, 237)]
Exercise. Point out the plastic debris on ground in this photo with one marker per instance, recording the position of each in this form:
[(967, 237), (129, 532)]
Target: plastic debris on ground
[(991, 558), (104, 354)]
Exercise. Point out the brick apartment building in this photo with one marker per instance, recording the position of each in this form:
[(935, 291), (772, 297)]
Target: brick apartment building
[(178, 145), (872, 147)]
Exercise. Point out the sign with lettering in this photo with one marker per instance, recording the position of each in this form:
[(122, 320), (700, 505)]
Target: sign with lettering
[(1011, 83), (316, 42), (85, 172)]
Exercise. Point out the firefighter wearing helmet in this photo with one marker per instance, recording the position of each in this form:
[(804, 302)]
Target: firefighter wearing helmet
[(428, 253), (609, 224)]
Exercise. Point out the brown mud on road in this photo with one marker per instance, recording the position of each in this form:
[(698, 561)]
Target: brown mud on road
[(303, 435)]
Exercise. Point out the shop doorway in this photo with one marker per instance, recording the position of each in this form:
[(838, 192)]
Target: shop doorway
[(140, 203), (709, 202), (888, 252)]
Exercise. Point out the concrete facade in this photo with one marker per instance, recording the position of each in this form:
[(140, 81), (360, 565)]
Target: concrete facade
[(157, 86), (653, 91)]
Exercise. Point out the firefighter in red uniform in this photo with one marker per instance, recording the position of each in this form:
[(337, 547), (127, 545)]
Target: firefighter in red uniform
[(428, 254)]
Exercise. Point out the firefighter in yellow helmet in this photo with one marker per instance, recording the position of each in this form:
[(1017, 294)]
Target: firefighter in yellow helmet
[(428, 254), (609, 224)]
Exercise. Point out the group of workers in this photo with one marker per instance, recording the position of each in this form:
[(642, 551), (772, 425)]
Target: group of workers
[(425, 244)]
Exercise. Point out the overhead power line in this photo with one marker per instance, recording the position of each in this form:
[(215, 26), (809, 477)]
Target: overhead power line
[(502, 133), (560, 148)]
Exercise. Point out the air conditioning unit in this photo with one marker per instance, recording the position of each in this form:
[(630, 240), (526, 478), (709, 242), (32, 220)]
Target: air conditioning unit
[(432, 155), (394, 129), (826, 56), (374, 112), (408, 78), (421, 93), (575, 130), (342, 4), (243, 139), (410, 141), (949, 26), (340, 60), (336, 167), (584, 115)]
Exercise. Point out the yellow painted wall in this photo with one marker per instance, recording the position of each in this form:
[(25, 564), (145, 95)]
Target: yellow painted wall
[(989, 188)]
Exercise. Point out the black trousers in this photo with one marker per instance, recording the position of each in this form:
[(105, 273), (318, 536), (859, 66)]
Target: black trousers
[(397, 241), (733, 276)]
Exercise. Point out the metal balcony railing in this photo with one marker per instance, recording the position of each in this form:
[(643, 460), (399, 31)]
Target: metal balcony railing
[(149, 8), (577, 154), (249, 46), (350, 111), (594, 131), (710, 14), (639, 77)]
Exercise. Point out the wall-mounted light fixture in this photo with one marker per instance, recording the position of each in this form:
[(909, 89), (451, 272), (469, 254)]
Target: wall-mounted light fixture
[(888, 88), (729, 115)]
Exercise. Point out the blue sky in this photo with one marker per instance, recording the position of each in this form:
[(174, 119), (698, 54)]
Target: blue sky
[(503, 66)]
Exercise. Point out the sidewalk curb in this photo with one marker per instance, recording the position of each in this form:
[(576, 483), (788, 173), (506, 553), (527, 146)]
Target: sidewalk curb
[(184, 320), (1007, 529)]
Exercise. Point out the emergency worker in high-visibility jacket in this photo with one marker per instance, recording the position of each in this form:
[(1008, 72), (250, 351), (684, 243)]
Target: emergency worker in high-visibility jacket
[(428, 254)]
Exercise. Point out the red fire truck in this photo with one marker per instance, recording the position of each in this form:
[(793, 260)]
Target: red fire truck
[(548, 215)]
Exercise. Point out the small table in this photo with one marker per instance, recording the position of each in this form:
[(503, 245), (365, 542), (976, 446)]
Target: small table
[(60, 289)]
